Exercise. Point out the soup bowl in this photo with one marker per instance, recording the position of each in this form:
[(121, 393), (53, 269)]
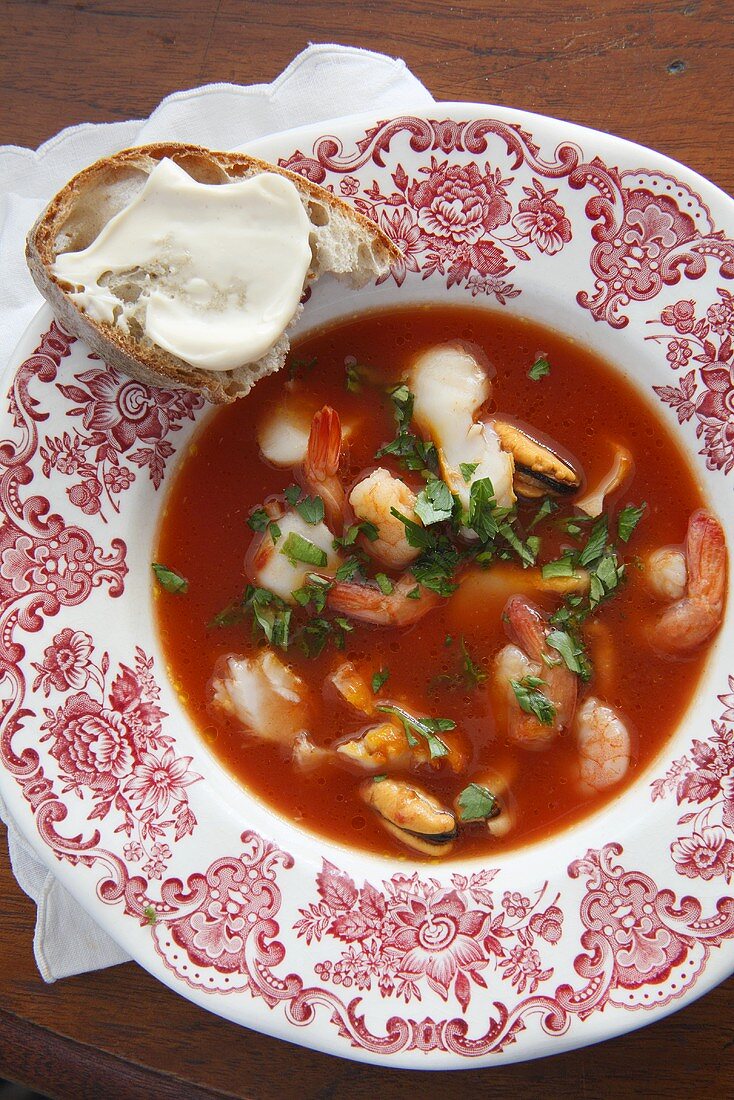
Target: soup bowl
[(619, 919)]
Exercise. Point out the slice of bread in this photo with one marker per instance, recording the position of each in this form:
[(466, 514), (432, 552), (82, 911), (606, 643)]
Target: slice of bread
[(342, 241)]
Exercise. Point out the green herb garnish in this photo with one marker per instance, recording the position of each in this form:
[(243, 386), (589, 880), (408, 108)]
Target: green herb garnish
[(384, 583), (150, 914), (169, 580), (297, 548), (270, 614), (348, 569), (311, 509), (427, 728), (547, 508), (467, 470), (379, 679), (571, 651), (477, 803), (230, 615), (473, 674), (258, 520), (532, 700), (628, 519), (435, 503), (539, 369), (369, 530), (561, 567)]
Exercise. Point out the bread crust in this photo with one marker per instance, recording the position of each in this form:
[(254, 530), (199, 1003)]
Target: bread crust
[(76, 215)]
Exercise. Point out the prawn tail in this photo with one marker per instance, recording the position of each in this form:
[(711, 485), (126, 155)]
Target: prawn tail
[(324, 444), (527, 624), (706, 559), (358, 601)]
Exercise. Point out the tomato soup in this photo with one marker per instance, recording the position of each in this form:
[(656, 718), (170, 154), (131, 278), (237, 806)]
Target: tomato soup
[(443, 666)]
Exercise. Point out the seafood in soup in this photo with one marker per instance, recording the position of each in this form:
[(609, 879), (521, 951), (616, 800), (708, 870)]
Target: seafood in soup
[(451, 583)]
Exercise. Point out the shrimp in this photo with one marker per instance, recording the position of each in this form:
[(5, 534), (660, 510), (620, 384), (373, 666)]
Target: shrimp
[(533, 657), (320, 469), (373, 499), (692, 618), (266, 564), (666, 573), (450, 383), (604, 746), (369, 604), (264, 695), (283, 431)]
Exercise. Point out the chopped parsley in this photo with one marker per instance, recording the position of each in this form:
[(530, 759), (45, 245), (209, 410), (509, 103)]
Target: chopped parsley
[(414, 452), (369, 530), (384, 584), (150, 914), (628, 519), (435, 566), (473, 674), (477, 803), (314, 593), (292, 494), (169, 580), (468, 675), (348, 569), (297, 548), (258, 520), (316, 633), (571, 651), (435, 503), (532, 700), (483, 510), (561, 567), (597, 542), (427, 728), (270, 614), (467, 470), (539, 369), (547, 508), (230, 615), (379, 679), (311, 509)]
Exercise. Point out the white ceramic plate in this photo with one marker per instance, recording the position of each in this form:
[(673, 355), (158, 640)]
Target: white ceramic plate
[(612, 924)]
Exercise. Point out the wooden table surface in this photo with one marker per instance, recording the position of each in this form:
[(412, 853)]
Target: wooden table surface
[(655, 71)]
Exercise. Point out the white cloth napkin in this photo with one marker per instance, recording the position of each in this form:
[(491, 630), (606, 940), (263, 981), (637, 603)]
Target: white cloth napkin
[(222, 116)]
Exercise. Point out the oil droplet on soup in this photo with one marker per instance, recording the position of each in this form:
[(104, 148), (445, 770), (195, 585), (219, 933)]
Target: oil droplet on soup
[(445, 664)]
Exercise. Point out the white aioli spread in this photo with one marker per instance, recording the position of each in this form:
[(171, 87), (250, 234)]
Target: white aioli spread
[(223, 265)]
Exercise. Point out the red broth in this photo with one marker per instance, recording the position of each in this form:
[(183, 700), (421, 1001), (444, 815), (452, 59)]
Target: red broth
[(584, 405)]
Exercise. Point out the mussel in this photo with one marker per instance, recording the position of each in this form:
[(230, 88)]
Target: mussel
[(540, 468), (411, 815)]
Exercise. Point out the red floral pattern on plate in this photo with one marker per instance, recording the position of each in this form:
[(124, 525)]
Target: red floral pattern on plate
[(414, 930), (482, 958), (649, 228), (705, 392), (116, 413), (704, 778)]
